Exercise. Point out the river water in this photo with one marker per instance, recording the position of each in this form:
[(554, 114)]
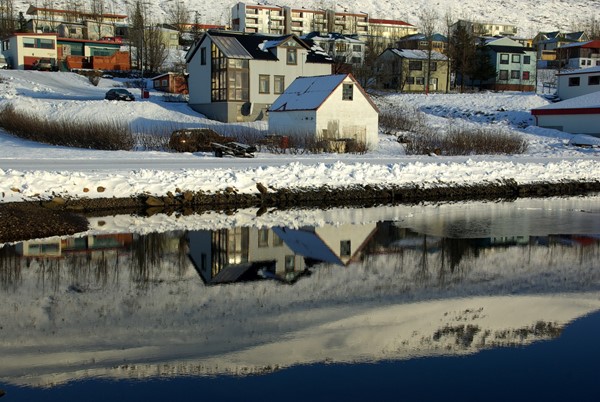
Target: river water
[(466, 301)]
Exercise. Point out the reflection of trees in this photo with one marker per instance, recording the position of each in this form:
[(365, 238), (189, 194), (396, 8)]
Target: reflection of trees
[(49, 273), (10, 268), (146, 255)]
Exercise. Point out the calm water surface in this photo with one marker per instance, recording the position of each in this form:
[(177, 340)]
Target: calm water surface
[(474, 301)]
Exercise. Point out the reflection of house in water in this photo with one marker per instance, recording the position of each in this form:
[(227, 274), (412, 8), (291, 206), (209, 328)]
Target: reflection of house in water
[(242, 254), (58, 248)]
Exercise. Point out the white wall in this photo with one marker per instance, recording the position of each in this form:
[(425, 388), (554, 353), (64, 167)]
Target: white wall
[(299, 122), (576, 124), (199, 78), (352, 117), (566, 92)]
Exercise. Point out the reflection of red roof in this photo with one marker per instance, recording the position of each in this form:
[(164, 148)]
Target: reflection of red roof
[(585, 240), (389, 22)]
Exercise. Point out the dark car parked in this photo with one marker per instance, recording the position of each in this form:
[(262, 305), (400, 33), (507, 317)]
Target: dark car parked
[(119, 94)]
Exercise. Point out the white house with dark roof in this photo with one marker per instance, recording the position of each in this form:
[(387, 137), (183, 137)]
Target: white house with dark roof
[(235, 76), (578, 82), (579, 115), (330, 107)]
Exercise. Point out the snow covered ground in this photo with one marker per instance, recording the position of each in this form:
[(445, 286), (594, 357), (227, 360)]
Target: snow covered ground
[(30, 170)]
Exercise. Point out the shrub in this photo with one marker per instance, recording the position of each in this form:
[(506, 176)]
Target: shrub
[(109, 135), (401, 119), (466, 141)]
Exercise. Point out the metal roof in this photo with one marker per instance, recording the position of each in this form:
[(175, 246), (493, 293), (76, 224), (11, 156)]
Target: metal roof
[(231, 47)]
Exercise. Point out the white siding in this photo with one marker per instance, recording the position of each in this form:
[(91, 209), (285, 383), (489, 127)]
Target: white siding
[(576, 124), (567, 92), (352, 119), (301, 122), (199, 78)]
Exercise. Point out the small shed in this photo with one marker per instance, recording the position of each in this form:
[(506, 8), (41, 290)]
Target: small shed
[(579, 115), (578, 82), (174, 83), (330, 107)]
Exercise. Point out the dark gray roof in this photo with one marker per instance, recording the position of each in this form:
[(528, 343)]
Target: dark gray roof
[(240, 45)]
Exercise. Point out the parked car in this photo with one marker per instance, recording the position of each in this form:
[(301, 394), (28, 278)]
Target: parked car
[(119, 94), (44, 64), (3, 63)]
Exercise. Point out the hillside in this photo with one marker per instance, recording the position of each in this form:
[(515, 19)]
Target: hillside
[(526, 14)]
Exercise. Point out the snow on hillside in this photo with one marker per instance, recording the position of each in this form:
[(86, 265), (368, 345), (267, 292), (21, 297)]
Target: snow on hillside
[(529, 15)]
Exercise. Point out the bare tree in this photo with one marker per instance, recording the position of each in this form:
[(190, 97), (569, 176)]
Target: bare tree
[(154, 49), (136, 33), (374, 46), (7, 18), (178, 16), (428, 19)]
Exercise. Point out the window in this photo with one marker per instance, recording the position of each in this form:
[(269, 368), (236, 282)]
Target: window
[(594, 80), (44, 43), (433, 66), (203, 56), (290, 263), (278, 84), (345, 248), (347, 91), (503, 59), (164, 83), (516, 58), (420, 81), (277, 241), (415, 65), (573, 81), (229, 77), (28, 42), (263, 84), (356, 60), (263, 237), (410, 80), (515, 74), (356, 48), (503, 75), (292, 56), (583, 62), (526, 59), (525, 75)]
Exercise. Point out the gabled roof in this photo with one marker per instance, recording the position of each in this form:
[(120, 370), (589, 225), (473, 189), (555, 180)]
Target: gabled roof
[(584, 104), (414, 54), (255, 46), (309, 93)]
